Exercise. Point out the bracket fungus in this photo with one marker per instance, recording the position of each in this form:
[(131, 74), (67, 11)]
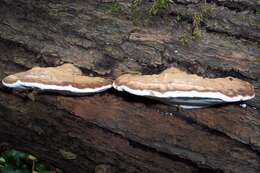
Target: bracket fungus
[(66, 79), (186, 90)]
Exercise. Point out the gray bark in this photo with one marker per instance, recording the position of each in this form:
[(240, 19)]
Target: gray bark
[(128, 133)]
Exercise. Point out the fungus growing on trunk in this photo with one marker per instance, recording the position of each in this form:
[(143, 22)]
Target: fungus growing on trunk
[(186, 90), (64, 79)]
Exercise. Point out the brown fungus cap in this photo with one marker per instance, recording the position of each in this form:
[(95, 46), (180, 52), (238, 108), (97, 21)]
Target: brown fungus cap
[(173, 79), (61, 76)]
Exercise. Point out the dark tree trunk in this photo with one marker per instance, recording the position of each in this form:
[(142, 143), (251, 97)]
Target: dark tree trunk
[(121, 131)]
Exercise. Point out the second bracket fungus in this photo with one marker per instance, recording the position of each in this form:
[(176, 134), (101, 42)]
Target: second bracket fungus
[(186, 90), (64, 79)]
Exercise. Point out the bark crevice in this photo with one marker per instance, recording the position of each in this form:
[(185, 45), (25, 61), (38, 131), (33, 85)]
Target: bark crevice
[(132, 134)]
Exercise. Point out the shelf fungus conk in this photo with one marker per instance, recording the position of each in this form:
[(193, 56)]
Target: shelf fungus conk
[(66, 79), (186, 90)]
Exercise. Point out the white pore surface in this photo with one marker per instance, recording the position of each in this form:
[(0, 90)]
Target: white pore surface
[(243, 105), (174, 94), (22, 85), (191, 107)]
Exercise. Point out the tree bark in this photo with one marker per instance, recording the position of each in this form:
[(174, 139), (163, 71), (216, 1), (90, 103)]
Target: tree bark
[(117, 131)]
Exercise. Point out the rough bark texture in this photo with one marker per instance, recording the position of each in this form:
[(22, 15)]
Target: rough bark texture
[(117, 131)]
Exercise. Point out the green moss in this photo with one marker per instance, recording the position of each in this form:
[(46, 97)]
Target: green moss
[(257, 59), (257, 10), (196, 23), (139, 14), (184, 38), (197, 18), (14, 161), (116, 7), (135, 12), (159, 5), (178, 18), (134, 5), (205, 9)]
